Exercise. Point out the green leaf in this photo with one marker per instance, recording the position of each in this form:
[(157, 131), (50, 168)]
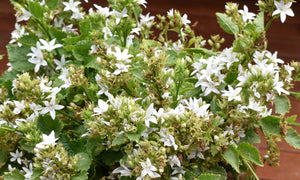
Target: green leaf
[(239, 46), (18, 57), (28, 40), (14, 175), (36, 174), (72, 146), (250, 153), (81, 51), (136, 135), (52, 4), (172, 57), (189, 175), (133, 136), (226, 24), (59, 35), (8, 76), (202, 51), (85, 27), (259, 22), (217, 170), (214, 107), (36, 9), (293, 138), (84, 162), (3, 157), (82, 176), (230, 77), (111, 157), (251, 137), (282, 105), (231, 156), (291, 119), (209, 177), (271, 124), (46, 124), (119, 140)]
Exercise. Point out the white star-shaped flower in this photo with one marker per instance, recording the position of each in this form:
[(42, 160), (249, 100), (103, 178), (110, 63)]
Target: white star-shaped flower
[(283, 9), (148, 169), (71, 5), (149, 118), (232, 94), (246, 14), (121, 68), (174, 160), (60, 63), (50, 46), (51, 107), (123, 170), (141, 2), (102, 107), (37, 57), (146, 20), (48, 140), (16, 156), (122, 56), (185, 20), (25, 15)]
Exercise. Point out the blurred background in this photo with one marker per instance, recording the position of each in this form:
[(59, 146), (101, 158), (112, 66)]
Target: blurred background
[(284, 38)]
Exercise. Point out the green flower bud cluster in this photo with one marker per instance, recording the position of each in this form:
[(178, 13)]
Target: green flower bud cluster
[(55, 163)]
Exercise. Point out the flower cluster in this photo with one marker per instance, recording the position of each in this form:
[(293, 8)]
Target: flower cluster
[(92, 94)]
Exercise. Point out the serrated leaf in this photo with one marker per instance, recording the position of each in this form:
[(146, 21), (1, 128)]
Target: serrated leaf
[(111, 157), (189, 175), (218, 170), (250, 153), (172, 57), (291, 119), (214, 107), (52, 4), (271, 124), (226, 24), (36, 9), (133, 136), (82, 176), (3, 157), (36, 174), (84, 161), (239, 46), (81, 51), (209, 177), (202, 51), (251, 137), (59, 35), (14, 175), (259, 22), (18, 57), (119, 140), (231, 156), (72, 146), (46, 124), (282, 105), (293, 138), (230, 77), (85, 27), (28, 40)]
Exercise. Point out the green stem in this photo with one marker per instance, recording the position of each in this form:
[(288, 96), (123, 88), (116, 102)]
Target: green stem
[(69, 116), (251, 169), (269, 23)]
